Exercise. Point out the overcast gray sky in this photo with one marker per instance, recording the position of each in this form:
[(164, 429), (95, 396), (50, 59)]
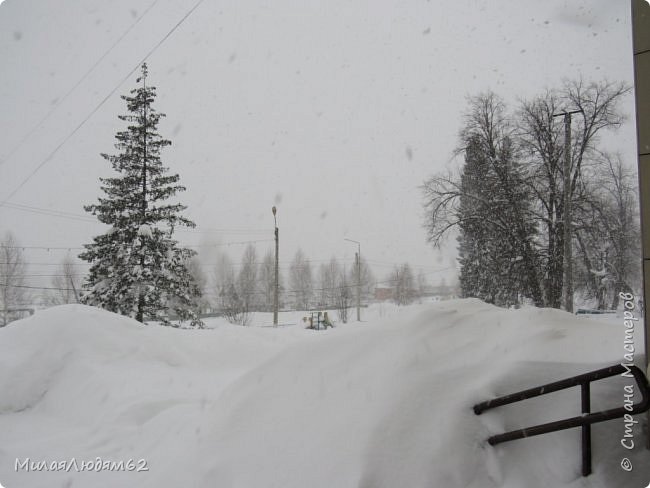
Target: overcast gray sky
[(334, 111)]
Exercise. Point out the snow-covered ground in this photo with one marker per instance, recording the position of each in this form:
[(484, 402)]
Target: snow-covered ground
[(382, 403)]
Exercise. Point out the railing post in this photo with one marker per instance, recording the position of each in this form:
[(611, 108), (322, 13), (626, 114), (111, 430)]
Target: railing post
[(586, 429)]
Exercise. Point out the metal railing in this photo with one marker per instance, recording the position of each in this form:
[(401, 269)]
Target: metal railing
[(585, 420)]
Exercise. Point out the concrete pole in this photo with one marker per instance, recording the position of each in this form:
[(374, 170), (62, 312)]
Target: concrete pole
[(568, 257), (358, 260), (568, 232), (358, 263), (277, 285)]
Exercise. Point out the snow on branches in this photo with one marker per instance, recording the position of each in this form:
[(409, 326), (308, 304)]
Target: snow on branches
[(137, 267)]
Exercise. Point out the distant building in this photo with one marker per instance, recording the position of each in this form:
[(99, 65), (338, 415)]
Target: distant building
[(382, 294)]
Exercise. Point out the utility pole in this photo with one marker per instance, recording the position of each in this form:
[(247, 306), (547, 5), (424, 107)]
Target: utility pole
[(359, 286), (357, 261), (568, 254), (277, 249)]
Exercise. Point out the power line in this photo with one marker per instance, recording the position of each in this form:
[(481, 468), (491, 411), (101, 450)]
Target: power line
[(76, 85), (44, 248), (375, 262), (229, 243), (48, 212), (77, 248), (231, 231), (106, 98), (35, 287), (29, 275), (425, 274), (85, 218), (47, 264)]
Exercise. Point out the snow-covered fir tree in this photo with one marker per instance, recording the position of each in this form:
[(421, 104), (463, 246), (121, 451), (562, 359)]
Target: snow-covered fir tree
[(137, 267), (476, 236), (496, 242)]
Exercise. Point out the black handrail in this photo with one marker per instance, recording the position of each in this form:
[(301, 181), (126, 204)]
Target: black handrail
[(585, 420)]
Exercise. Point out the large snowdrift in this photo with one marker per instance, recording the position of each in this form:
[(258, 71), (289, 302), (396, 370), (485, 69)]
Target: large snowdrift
[(385, 403)]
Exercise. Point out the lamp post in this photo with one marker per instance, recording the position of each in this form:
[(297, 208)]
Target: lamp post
[(277, 248), (357, 257)]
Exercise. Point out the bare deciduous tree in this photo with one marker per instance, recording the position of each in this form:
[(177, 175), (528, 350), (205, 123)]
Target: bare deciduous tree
[(541, 138), (195, 269), (67, 283), (223, 275), (328, 281), (228, 299), (403, 284), (247, 279), (236, 310), (12, 278), (267, 279), (343, 296), (300, 280), (607, 232)]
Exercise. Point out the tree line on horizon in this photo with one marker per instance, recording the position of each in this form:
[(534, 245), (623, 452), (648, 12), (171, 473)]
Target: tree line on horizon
[(233, 289)]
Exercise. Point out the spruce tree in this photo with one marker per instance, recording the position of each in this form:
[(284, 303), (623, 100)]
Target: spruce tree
[(484, 245), (137, 267), (496, 255)]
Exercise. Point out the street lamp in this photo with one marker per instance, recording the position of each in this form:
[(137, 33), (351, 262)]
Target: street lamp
[(358, 263), (277, 247)]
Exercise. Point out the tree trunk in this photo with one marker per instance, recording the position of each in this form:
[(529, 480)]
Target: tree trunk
[(139, 316)]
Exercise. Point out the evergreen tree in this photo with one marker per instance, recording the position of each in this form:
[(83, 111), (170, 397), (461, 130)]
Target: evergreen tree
[(137, 267), (496, 248), (473, 247)]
